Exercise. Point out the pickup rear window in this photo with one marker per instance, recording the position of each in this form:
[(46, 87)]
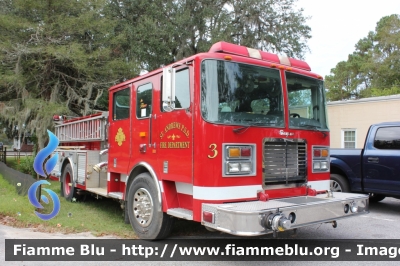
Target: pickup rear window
[(387, 138)]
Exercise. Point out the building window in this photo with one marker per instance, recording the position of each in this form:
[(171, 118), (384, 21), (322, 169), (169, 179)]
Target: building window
[(348, 138)]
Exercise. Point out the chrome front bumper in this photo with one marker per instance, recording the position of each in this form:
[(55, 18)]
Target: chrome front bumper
[(259, 217)]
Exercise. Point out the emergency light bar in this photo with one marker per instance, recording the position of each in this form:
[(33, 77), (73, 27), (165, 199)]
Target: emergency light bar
[(234, 49)]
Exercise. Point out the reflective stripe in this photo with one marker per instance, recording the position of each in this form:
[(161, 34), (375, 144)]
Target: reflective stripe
[(108, 176), (320, 185), (124, 178), (226, 193), (184, 188)]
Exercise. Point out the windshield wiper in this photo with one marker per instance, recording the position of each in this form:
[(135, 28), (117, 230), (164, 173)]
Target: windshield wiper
[(240, 129), (316, 128), (254, 123)]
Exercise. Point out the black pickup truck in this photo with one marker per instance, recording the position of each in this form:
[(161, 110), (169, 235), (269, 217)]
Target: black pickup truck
[(375, 169)]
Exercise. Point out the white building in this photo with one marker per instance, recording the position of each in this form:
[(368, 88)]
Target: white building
[(349, 120)]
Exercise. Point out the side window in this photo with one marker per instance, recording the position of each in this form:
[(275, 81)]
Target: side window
[(121, 104), (182, 91), (387, 138), (144, 100)]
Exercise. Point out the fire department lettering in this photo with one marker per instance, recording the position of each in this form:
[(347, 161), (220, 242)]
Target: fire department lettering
[(175, 125), (175, 145)]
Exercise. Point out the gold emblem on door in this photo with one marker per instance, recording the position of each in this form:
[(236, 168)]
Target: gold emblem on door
[(120, 137)]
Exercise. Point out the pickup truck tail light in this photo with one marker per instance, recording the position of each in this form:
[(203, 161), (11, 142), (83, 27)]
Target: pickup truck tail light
[(320, 159)]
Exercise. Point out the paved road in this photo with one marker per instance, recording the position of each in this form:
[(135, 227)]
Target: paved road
[(381, 223)]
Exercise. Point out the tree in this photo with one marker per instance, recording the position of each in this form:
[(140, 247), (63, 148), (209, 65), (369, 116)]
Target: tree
[(372, 69), (161, 32), (57, 57)]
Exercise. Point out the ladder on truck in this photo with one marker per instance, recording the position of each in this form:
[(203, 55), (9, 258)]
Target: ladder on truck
[(92, 128), (76, 137)]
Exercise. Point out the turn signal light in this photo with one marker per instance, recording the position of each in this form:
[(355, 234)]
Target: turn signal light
[(321, 153), (235, 152)]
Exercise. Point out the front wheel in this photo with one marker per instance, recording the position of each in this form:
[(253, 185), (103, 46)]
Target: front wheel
[(339, 184), (145, 211)]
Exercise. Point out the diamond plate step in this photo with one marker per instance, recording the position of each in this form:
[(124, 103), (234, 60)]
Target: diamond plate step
[(181, 213)]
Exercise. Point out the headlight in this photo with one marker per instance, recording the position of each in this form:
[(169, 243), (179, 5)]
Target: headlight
[(245, 167), (320, 159), (233, 168)]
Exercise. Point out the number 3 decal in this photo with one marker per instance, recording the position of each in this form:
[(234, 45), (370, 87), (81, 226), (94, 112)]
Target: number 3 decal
[(213, 148)]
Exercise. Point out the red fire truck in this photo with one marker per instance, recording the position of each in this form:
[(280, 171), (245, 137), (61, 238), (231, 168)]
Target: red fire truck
[(235, 138)]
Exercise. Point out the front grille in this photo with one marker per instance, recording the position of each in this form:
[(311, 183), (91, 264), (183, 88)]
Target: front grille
[(284, 161)]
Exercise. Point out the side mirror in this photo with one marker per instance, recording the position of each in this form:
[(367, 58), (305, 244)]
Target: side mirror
[(168, 91)]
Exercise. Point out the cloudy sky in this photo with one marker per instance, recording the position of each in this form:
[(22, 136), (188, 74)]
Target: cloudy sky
[(338, 25)]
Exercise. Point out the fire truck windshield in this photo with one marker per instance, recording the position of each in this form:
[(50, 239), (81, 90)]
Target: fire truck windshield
[(241, 94), (306, 102), (248, 95)]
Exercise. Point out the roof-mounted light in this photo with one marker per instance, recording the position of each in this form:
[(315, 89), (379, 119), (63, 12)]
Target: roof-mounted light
[(234, 49)]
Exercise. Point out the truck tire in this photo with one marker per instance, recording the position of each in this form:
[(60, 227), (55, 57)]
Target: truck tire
[(339, 183), (376, 197), (67, 183), (145, 211)]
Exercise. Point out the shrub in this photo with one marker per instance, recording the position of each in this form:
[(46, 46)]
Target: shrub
[(26, 165)]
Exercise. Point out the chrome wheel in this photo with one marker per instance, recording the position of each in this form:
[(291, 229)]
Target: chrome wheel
[(335, 186), (143, 207)]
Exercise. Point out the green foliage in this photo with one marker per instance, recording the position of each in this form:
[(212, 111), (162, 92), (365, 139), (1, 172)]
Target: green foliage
[(373, 69), (25, 165), (160, 32), (60, 57)]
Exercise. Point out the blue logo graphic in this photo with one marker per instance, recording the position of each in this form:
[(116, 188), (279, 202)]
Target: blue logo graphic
[(43, 169), (42, 155), (36, 203)]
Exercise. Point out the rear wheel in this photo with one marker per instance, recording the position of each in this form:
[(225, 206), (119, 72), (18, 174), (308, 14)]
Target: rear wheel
[(375, 197), (145, 211), (67, 183), (339, 183)]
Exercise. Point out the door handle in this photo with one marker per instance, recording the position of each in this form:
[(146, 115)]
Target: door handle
[(373, 159)]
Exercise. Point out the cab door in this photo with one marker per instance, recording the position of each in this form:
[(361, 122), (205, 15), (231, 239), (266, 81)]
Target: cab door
[(381, 161), (173, 133), (119, 130)]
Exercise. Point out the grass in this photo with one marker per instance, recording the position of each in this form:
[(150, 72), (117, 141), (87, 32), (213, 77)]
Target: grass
[(100, 217)]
